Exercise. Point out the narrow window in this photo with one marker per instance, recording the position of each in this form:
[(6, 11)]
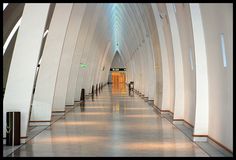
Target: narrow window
[(191, 57), (222, 41)]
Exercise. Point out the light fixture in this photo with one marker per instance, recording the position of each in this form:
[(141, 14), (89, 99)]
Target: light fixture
[(223, 52)]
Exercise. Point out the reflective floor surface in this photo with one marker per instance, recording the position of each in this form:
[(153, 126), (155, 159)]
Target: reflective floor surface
[(115, 123)]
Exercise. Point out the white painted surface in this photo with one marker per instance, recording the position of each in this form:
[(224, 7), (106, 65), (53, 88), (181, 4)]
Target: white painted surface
[(202, 105), (184, 22), (75, 67), (66, 57), (45, 85), (179, 75), (104, 60), (170, 53), (152, 74), (164, 59), (217, 19), (24, 63), (88, 52), (79, 51), (117, 62)]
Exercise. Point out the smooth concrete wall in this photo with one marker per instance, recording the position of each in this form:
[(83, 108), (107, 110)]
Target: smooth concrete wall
[(101, 75), (100, 50), (159, 70), (67, 55), (21, 76), (183, 17), (152, 75), (75, 78), (168, 40), (173, 36), (158, 67), (217, 19), (99, 69), (164, 58), (43, 101), (178, 58), (88, 55), (202, 106), (117, 61), (147, 42)]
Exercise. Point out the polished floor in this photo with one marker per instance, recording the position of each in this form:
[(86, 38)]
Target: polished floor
[(115, 123)]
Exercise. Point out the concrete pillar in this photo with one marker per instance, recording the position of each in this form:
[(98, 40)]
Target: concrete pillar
[(164, 60), (88, 53), (79, 51), (104, 60), (66, 57), (179, 73), (24, 62), (202, 104), (45, 85)]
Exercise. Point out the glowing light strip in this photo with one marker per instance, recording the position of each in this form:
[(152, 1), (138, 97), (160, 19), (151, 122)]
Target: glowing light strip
[(222, 40), (11, 35)]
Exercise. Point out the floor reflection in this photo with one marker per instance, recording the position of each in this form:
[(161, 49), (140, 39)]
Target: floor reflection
[(118, 88), (114, 123), (82, 106)]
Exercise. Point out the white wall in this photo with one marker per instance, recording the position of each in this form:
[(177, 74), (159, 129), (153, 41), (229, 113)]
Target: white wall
[(46, 81), (217, 19), (186, 35), (67, 55), (75, 72), (117, 62), (169, 46), (24, 62), (179, 67), (184, 90)]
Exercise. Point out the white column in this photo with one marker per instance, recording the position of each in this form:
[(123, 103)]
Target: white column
[(66, 57), (24, 62), (152, 74), (145, 69), (90, 22), (202, 106), (179, 73), (164, 60), (104, 59), (108, 61), (100, 67), (45, 85), (89, 52)]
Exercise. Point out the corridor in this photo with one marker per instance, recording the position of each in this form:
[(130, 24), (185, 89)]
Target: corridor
[(114, 123)]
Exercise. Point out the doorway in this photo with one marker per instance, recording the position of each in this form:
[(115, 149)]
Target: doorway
[(118, 77)]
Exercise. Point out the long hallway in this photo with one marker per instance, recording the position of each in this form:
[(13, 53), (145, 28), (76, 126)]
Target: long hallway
[(114, 123)]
